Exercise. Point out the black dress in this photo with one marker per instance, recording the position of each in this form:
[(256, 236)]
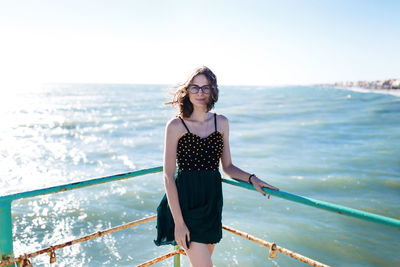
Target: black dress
[(198, 182)]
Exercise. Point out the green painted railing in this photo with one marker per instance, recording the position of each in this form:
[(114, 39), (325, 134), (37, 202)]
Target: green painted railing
[(6, 238), (368, 216)]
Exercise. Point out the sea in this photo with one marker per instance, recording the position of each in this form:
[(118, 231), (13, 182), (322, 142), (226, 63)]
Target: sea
[(331, 144)]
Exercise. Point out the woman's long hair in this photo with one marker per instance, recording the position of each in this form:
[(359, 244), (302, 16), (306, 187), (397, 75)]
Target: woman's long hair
[(181, 95)]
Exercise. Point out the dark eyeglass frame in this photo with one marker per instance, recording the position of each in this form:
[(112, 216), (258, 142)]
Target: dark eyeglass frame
[(194, 89)]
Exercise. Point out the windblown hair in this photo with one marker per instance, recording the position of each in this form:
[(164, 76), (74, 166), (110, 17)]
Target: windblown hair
[(181, 95)]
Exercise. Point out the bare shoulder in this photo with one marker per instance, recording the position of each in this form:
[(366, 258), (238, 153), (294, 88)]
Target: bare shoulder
[(174, 128), (173, 124), (222, 119), (223, 122)]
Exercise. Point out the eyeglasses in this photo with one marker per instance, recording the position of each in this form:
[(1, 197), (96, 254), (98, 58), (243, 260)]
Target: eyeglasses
[(194, 89)]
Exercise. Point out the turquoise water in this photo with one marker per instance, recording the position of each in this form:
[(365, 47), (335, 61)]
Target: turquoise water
[(330, 144)]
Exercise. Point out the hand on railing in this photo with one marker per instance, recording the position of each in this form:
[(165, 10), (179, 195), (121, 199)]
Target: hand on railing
[(259, 184)]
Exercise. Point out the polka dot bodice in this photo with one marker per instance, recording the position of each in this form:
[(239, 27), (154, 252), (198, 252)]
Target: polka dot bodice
[(196, 153)]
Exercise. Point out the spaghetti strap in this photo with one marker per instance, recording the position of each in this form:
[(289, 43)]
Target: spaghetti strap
[(215, 121), (184, 124)]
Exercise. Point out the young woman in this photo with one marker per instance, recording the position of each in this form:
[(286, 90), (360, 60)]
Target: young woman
[(190, 213)]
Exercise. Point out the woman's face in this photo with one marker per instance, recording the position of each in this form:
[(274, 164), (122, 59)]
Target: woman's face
[(200, 98)]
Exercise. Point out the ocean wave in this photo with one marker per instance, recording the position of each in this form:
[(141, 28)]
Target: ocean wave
[(394, 92)]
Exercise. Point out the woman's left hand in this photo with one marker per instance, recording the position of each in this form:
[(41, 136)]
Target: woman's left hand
[(259, 184)]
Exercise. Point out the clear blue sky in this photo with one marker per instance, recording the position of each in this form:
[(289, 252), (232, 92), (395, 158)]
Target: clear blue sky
[(243, 42)]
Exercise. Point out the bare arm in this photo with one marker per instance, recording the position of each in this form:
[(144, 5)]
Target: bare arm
[(169, 168), (232, 170), (170, 144)]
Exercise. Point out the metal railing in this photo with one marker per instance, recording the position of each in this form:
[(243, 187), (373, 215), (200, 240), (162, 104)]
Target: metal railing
[(6, 238), (24, 260)]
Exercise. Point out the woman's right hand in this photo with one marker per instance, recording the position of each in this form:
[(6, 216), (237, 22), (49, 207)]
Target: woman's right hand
[(181, 235)]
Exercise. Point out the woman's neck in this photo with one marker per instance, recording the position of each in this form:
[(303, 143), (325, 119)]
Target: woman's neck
[(199, 115)]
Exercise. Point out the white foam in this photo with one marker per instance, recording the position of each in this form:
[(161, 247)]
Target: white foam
[(395, 92)]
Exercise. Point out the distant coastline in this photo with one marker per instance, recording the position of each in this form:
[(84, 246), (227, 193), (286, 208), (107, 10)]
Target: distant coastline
[(391, 84)]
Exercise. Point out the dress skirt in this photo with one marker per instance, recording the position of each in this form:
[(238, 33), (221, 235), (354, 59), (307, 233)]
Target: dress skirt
[(200, 198)]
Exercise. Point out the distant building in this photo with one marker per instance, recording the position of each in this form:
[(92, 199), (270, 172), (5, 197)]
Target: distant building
[(384, 84), (396, 84)]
